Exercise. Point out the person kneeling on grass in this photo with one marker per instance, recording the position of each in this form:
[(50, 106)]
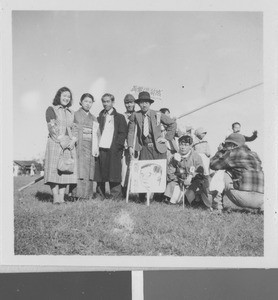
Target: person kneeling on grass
[(239, 175), (186, 174)]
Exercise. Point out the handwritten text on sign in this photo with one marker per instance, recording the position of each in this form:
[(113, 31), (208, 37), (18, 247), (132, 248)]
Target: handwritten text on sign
[(155, 94)]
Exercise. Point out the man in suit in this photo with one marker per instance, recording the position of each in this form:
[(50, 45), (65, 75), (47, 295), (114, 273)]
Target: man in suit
[(113, 129), (149, 141)]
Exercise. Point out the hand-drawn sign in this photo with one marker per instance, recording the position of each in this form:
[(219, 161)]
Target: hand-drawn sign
[(156, 94), (148, 176)]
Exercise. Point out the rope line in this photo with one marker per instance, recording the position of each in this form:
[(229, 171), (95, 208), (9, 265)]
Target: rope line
[(221, 99)]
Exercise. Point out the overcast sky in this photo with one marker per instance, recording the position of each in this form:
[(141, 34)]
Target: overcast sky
[(193, 57)]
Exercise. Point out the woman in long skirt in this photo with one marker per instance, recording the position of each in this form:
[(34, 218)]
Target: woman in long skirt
[(61, 141), (87, 148)]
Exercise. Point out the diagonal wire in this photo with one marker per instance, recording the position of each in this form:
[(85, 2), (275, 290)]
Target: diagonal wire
[(221, 99)]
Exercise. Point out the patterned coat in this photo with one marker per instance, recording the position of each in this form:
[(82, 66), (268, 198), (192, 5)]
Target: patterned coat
[(82, 121), (244, 165), (61, 129)]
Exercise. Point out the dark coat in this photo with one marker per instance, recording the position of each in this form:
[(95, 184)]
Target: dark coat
[(116, 148)]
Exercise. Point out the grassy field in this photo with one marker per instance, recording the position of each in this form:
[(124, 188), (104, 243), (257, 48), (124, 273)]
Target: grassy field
[(106, 227)]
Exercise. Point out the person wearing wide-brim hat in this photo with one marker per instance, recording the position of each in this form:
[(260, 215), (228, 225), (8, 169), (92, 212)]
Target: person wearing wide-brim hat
[(144, 97), (239, 175), (149, 142)]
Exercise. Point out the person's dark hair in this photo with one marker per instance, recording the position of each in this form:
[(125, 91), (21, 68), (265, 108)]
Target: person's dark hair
[(85, 96), (234, 124), (57, 98), (163, 110), (186, 139), (109, 95)]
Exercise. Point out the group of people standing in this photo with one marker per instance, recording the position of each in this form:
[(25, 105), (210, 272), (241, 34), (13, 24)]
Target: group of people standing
[(102, 148)]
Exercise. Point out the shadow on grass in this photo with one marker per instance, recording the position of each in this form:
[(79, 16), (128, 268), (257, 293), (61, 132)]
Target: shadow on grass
[(47, 197), (44, 197), (69, 198), (241, 210), (227, 210)]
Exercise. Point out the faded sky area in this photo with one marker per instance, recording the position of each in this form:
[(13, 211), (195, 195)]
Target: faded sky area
[(193, 57)]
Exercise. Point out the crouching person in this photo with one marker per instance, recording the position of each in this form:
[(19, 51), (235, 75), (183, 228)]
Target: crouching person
[(186, 174), (239, 175)]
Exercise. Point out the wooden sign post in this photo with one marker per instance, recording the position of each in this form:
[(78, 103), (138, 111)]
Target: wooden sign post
[(183, 196), (148, 198)]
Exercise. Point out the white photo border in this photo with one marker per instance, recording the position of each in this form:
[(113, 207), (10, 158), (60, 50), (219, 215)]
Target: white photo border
[(104, 263)]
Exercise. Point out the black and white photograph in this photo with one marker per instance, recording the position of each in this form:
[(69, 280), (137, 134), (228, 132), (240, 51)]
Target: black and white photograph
[(94, 92)]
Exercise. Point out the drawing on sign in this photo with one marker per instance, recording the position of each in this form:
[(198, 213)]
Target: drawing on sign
[(148, 176)]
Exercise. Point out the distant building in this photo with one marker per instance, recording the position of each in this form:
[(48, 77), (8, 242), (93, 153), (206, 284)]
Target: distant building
[(26, 167)]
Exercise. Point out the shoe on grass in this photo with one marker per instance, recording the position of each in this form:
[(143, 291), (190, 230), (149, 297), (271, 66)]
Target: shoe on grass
[(207, 199), (216, 211), (94, 196)]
